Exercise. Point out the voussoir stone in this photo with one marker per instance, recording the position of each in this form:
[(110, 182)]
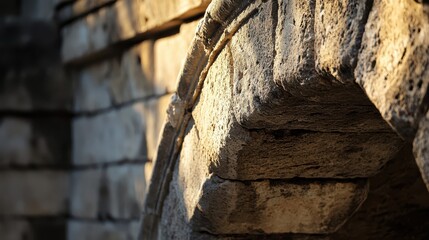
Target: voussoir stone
[(338, 30), (391, 67), (234, 152), (257, 55)]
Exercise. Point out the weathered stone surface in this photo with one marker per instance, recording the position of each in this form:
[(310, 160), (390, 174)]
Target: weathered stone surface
[(37, 141), (114, 192), (392, 60), (34, 193), (102, 230), (144, 71), (31, 76), (117, 81), (294, 63), (338, 30), (260, 103), (233, 152), (397, 206), (36, 229), (124, 20), (269, 206), (421, 148)]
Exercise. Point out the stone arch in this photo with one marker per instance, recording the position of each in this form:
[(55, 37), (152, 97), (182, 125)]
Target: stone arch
[(287, 120)]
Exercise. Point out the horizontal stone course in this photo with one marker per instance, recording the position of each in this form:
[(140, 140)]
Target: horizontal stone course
[(127, 133), (115, 192), (144, 71), (124, 20), (34, 193)]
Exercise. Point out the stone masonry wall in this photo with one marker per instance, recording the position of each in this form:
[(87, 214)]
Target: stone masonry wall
[(83, 92)]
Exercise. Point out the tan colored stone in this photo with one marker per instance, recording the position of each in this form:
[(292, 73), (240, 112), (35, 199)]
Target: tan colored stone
[(124, 20), (259, 57), (38, 141), (391, 67), (223, 206), (233, 152), (338, 30), (170, 54), (34, 193)]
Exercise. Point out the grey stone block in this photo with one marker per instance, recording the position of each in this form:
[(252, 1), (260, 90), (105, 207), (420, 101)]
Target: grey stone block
[(37, 141), (34, 193)]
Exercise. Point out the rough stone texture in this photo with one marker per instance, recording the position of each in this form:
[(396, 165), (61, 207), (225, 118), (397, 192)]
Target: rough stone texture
[(392, 62), (294, 64), (421, 148), (37, 141), (338, 30), (124, 20), (234, 152), (33, 229), (260, 103), (34, 193), (31, 77), (397, 206), (144, 71), (115, 192), (102, 230), (269, 206)]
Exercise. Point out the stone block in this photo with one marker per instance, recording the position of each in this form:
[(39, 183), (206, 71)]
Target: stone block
[(147, 70), (31, 76), (391, 66), (421, 148), (170, 54), (338, 30), (257, 53), (234, 152), (117, 81), (37, 141), (34, 193), (127, 133), (124, 20), (115, 192), (77, 9), (38, 9), (36, 229), (218, 206), (85, 193), (102, 230)]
